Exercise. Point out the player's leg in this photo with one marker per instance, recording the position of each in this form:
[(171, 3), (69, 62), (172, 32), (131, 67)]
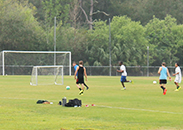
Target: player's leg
[(130, 81), (83, 86), (78, 81), (177, 81), (86, 86), (81, 80), (123, 79), (165, 90), (162, 86), (82, 90), (77, 84), (177, 85)]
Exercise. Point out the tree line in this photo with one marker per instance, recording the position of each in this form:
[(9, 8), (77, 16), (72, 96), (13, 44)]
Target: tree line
[(83, 28)]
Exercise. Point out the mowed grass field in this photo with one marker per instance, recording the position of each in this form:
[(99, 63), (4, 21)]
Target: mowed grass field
[(141, 107)]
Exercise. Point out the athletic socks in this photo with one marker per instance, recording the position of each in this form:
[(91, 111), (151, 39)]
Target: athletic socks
[(178, 87), (80, 89), (163, 88), (86, 86)]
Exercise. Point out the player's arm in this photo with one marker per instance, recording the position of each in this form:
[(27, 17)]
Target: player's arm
[(120, 71), (160, 68), (76, 72), (176, 73), (168, 74), (85, 73)]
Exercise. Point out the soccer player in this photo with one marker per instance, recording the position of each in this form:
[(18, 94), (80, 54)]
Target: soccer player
[(163, 72), (80, 78), (123, 74), (75, 67), (178, 77)]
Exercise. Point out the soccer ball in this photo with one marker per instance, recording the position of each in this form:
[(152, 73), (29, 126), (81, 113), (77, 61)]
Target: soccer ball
[(67, 87), (154, 82)]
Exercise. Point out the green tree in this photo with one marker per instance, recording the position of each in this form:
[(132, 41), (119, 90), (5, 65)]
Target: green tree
[(163, 40), (56, 8), (19, 29), (128, 42), (39, 10), (52, 9)]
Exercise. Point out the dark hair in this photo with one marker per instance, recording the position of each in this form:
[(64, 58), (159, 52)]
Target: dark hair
[(177, 64), (121, 62), (81, 62), (163, 63)]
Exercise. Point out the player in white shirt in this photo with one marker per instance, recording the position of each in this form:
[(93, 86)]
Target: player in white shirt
[(178, 76), (123, 74)]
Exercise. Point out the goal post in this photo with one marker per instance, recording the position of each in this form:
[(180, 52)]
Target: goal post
[(21, 62), (47, 75)]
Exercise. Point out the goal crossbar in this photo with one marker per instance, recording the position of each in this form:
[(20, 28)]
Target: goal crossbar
[(58, 74), (34, 52)]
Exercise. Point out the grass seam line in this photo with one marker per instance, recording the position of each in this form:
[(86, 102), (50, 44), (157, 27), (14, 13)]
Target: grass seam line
[(140, 109)]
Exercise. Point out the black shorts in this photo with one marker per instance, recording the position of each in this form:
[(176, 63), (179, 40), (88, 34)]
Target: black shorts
[(162, 81), (80, 81)]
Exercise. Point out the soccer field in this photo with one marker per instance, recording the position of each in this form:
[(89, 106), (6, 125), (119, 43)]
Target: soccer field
[(142, 106)]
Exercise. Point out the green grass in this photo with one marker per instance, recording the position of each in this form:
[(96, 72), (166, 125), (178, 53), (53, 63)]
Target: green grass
[(142, 106)]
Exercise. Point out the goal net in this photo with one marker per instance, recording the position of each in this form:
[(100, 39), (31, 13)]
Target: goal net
[(47, 75), (21, 62)]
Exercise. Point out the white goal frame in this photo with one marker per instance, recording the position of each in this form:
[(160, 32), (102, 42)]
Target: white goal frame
[(51, 66), (38, 52)]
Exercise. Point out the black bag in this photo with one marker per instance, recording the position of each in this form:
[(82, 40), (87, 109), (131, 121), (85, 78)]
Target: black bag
[(75, 102), (41, 101)]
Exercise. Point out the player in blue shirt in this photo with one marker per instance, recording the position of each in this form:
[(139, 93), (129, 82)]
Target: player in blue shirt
[(163, 72), (75, 67)]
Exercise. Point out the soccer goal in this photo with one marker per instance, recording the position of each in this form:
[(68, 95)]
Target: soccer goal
[(21, 62), (47, 75)]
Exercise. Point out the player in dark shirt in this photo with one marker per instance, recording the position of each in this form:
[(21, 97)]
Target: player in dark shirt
[(75, 67), (81, 71)]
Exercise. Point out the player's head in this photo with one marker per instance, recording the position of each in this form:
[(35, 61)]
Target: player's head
[(80, 62), (73, 63), (176, 64), (163, 63), (120, 62)]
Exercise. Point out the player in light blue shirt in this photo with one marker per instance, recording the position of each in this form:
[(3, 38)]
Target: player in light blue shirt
[(163, 72), (75, 67)]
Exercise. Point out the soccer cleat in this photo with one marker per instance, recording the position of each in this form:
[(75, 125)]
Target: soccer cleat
[(179, 88), (81, 92), (123, 89), (176, 90), (164, 92), (132, 82), (87, 88)]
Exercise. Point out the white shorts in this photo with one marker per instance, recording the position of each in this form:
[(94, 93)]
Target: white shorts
[(177, 80)]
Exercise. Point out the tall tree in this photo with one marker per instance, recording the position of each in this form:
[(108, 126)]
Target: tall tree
[(128, 42), (19, 29), (89, 18), (162, 38), (58, 9)]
